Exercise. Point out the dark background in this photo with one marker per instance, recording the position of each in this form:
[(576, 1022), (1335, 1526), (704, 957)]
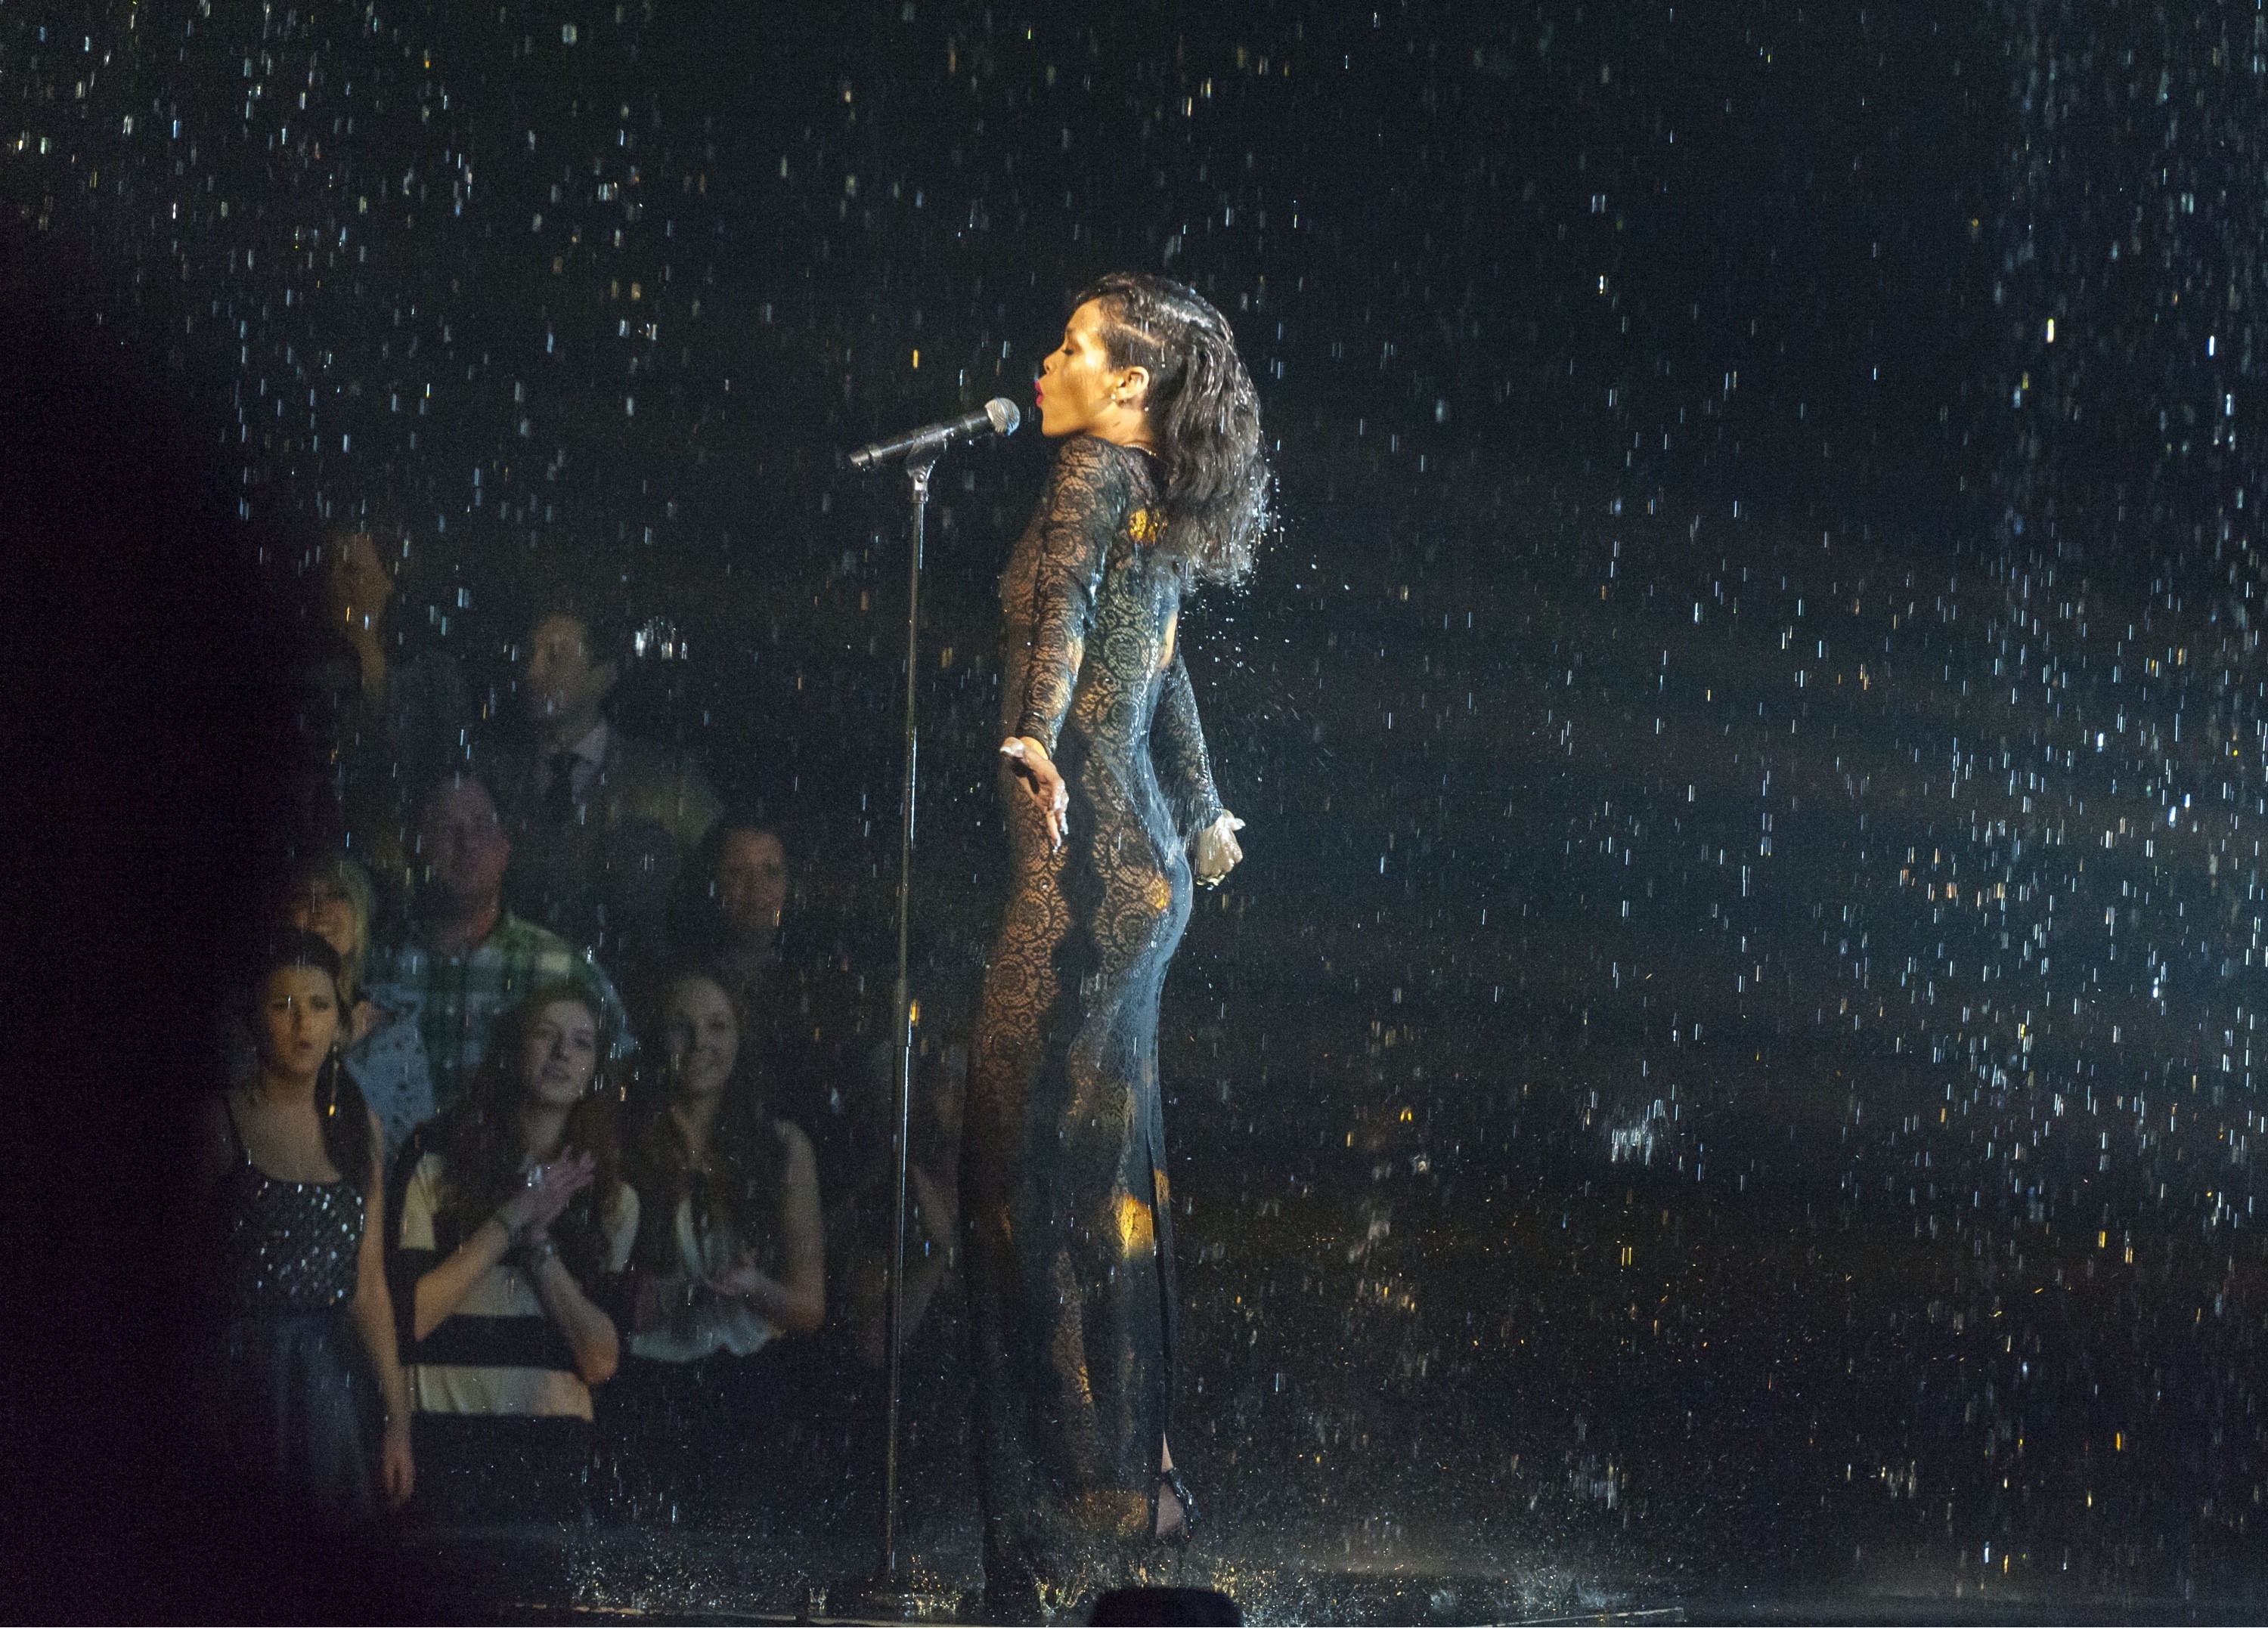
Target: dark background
[(1677, 474)]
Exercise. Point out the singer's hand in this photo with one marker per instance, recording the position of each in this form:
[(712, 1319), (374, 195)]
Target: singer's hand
[(1042, 784), (1217, 851)]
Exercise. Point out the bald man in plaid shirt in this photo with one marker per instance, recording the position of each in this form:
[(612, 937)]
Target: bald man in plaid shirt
[(469, 960)]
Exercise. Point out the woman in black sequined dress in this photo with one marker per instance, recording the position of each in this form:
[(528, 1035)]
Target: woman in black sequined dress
[(1111, 807), (302, 1369)]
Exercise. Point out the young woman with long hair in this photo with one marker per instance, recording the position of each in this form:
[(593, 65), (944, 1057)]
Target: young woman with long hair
[(1160, 487), (516, 1227), (305, 1359), (730, 1256)]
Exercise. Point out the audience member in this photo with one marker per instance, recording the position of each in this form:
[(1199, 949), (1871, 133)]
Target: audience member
[(288, 1162), (515, 1226), (730, 1254), (599, 819), (330, 896), (469, 959), (397, 715), (728, 906), (804, 1018)]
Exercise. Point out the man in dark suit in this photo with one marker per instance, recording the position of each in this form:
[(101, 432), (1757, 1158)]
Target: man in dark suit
[(599, 820)]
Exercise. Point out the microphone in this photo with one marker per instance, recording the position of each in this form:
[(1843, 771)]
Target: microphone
[(997, 417)]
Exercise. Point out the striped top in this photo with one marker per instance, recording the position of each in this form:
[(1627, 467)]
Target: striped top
[(496, 1352)]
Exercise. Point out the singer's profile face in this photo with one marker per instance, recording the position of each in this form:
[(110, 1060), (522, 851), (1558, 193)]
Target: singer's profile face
[(1080, 393)]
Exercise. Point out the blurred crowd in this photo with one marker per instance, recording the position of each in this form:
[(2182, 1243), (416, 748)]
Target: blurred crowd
[(545, 1174)]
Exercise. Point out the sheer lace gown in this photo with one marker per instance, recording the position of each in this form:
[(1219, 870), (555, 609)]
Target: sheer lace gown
[(1069, 1233)]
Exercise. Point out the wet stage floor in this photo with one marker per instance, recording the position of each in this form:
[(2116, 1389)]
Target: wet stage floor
[(1482, 1418)]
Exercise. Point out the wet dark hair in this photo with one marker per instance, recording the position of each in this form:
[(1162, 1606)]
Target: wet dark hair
[(741, 1191), (1204, 412), (479, 1141), (339, 1105)]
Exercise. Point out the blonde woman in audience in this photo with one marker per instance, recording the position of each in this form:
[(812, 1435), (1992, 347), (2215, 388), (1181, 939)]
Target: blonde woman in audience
[(330, 895)]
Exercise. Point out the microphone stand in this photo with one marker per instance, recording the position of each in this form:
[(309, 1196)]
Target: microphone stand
[(889, 1594)]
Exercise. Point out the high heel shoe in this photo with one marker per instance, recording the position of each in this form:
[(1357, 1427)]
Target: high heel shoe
[(1170, 1481)]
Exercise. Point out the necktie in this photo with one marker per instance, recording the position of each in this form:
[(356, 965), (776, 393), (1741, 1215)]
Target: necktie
[(559, 796)]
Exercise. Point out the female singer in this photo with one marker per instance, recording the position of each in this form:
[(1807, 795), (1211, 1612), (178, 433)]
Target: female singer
[(1160, 485)]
